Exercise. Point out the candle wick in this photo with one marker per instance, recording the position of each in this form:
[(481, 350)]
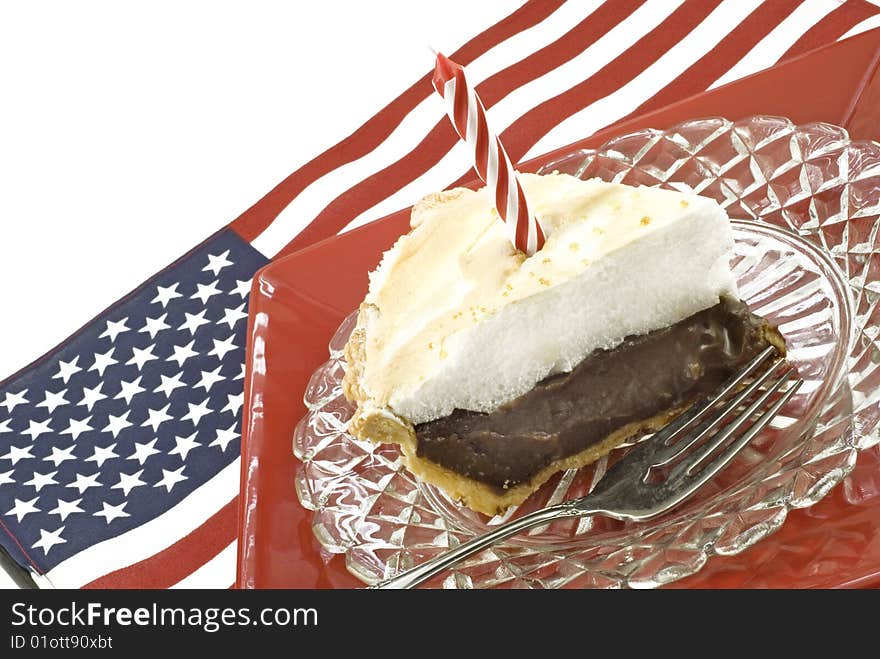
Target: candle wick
[(433, 50)]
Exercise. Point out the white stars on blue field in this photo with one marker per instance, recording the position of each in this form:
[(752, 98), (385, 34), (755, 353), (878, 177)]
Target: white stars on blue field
[(133, 413)]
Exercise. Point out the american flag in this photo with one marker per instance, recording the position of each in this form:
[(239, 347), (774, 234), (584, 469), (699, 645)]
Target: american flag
[(119, 450), (123, 442)]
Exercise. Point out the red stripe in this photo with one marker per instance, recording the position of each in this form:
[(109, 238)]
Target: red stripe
[(714, 64), (501, 187), (441, 138), (538, 121), (746, 36), (482, 144), (370, 135), (832, 27), (181, 559), (460, 105), (523, 218)]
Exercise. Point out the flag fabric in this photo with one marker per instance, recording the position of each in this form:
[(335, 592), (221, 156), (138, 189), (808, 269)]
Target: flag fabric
[(126, 439), (119, 450)]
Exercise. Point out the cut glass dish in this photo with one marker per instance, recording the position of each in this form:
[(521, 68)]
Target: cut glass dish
[(805, 202)]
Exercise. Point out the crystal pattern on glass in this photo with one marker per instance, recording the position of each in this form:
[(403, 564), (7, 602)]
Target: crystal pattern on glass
[(806, 201)]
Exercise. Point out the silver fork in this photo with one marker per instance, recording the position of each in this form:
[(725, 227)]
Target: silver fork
[(698, 441)]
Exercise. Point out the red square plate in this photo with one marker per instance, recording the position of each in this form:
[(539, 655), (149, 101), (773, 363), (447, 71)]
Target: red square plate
[(297, 303)]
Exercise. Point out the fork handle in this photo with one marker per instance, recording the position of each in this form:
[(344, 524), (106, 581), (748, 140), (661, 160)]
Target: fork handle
[(428, 569)]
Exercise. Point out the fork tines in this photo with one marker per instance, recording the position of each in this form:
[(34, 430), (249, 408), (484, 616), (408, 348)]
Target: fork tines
[(716, 431)]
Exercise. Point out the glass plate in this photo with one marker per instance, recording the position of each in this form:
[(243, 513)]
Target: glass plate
[(807, 256)]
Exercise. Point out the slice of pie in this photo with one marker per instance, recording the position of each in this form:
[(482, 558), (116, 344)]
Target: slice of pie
[(493, 371)]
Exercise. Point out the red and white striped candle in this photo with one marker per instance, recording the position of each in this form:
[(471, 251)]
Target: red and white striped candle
[(491, 161)]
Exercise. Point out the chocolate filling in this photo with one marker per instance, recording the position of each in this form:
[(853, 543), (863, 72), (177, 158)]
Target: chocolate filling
[(566, 413)]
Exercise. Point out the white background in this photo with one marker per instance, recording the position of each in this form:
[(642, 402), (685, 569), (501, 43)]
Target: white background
[(129, 135), (129, 132)]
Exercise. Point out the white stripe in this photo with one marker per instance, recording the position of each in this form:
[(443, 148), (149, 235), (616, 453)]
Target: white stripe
[(524, 98), (219, 572), (302, 210), (492, 164), (723, 19), (449, 100), (471, 132), (512, 201), (768, 51), (151, 537), (864, 26)]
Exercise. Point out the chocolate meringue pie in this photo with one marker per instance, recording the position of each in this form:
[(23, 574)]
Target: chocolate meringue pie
[(493, 370)]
